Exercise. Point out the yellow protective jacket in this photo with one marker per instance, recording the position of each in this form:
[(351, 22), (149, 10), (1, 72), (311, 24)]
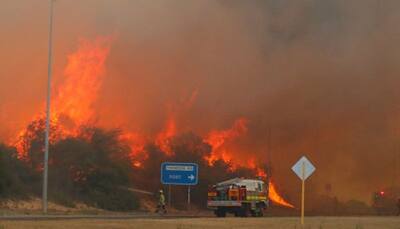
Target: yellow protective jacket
[(161, 200)]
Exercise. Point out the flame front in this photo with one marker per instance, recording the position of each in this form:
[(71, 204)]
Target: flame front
[(73, 102), (218, 138), (276, 198), (163, 138), (136, 144), (83, 78)]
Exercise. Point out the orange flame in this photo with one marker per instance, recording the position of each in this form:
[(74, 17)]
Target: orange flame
[(164, 137), (276, 198), (136, 144), (217, 139), (83, 78), (72, 107)]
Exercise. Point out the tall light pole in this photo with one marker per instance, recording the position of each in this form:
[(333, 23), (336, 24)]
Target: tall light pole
[(47, 134)]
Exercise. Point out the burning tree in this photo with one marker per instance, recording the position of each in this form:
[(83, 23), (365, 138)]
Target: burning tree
[(93, 160)]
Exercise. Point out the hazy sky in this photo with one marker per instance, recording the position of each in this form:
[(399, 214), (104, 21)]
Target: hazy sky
[(322, 76)]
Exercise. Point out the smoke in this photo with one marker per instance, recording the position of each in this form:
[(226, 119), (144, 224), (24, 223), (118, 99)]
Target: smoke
[(311, 77)]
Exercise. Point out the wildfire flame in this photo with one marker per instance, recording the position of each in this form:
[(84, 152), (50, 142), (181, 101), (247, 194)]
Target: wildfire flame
[(73, 101), (276, 198), (136, 143), (163, 138), (72, 105), (83, 78), (218, 138)]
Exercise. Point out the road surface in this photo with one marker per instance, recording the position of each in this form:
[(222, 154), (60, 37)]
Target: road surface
[(195, 222)]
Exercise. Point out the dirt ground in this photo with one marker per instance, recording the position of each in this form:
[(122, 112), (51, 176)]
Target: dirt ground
[(197, 223)]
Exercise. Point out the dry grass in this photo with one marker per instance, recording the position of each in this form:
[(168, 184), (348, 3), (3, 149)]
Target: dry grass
[(34, 206), (197, 223)]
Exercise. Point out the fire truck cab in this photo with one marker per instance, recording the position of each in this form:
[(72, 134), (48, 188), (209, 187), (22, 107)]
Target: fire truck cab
[(242, 197)]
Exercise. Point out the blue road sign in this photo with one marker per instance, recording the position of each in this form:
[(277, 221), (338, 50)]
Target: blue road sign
[(179, 173)]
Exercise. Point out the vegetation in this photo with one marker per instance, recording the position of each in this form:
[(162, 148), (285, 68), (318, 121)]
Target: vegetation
[(187, 147), (94, 167), (15, 176)]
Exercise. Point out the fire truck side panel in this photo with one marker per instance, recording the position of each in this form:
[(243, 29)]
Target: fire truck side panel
[(238, 196)]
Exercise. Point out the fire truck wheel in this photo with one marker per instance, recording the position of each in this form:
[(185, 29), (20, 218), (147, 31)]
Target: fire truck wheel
[(220, 212), (244, 211), (260, 213), (257, 212)]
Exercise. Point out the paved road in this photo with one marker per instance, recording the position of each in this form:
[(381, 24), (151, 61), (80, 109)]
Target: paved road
[(121, 216), (115, 221)]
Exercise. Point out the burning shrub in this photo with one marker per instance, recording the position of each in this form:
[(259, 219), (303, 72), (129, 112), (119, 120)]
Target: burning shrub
[(187, 147), (83, 160), (93, 167)]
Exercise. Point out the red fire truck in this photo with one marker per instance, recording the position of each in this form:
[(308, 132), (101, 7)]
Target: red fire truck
[(242, 197)]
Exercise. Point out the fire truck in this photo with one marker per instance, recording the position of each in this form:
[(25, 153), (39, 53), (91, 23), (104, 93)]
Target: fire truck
[(242, 197)]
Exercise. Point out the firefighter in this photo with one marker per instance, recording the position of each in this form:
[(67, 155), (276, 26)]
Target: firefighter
[(398, 206), (161, 202)]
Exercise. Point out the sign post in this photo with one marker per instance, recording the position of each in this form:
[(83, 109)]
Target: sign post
[(303, 169), (188, 200), (169, 195), (173, 173), (302, 192)]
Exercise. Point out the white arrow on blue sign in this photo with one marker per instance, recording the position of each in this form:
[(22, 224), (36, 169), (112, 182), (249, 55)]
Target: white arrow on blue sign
[(179, 173), (308, 168)]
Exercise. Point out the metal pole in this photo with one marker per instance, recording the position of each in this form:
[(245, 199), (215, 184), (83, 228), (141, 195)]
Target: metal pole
[(302, 191), (169, 195), (269, 159), (47, 134), (188, 201)]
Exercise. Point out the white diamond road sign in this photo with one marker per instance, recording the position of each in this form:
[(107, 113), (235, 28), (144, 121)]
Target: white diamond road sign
[(308, 168)]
